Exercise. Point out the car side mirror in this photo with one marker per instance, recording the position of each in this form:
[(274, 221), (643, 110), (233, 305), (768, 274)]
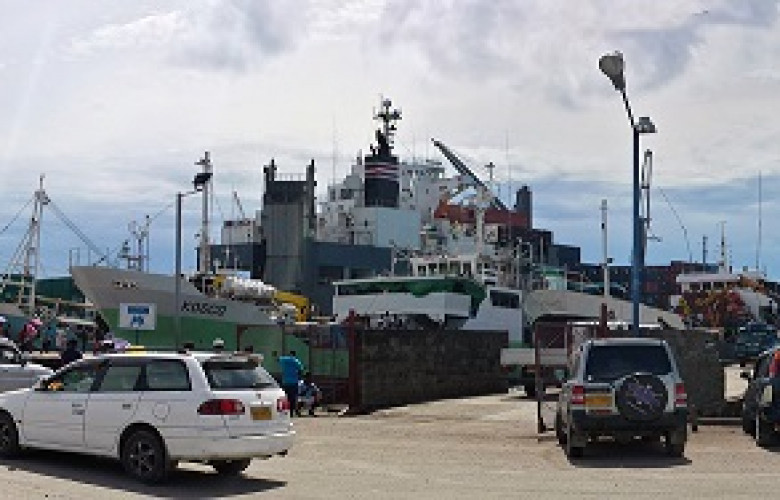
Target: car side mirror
[(744, 375)]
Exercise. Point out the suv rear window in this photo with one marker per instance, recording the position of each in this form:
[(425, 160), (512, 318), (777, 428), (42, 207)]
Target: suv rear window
[(611, 362), (237, 374)]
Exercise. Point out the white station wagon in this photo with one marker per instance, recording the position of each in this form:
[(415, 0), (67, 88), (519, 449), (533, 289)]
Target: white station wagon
[(153, 410)]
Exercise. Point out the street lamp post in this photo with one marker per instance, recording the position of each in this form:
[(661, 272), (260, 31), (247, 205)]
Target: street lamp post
[(199, 182), (612, 66)]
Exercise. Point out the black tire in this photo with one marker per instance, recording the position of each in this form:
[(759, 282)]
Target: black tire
[(530, 390), (748, 425), (230, 467), (559, 433), (641, 397), (144, 457), (571, 450), (9, 437), (764, 433), (675, 450)]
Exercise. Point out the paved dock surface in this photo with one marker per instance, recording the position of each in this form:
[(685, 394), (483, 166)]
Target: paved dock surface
[(481, 447)]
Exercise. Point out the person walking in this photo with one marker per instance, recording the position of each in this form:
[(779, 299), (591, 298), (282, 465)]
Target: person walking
[(292, 368)]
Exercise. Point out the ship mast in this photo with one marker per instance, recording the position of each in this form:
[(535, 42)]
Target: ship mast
[(204, 250), (32, 257), (388, 118), (25, 263)]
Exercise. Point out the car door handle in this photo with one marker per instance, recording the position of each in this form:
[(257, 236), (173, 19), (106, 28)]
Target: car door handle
[(127, 406), (78, 412), (77, 405)]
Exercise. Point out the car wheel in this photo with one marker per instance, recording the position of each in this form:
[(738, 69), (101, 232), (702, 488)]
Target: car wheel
[(748, 425), (764, 433), (230, 467), (573, 451), (675, 442), (144, 457), (530, 390), (559, 433), (9, 437)]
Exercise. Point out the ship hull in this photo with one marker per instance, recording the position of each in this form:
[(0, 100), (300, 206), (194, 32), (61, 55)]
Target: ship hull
[(203, 318)]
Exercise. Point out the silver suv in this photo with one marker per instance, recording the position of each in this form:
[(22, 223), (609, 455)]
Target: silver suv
[(623, 388), (16, 372)]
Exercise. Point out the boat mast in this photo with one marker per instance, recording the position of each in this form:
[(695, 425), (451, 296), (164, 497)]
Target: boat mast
[(32, 257), (758, 245), (204, 250)]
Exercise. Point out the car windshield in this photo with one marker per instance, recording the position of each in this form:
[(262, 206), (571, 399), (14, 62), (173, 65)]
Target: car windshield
[(611, 362), (238, 374)]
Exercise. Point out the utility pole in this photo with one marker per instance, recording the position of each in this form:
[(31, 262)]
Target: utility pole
[(604, 246), (723, 258), (704, 249)]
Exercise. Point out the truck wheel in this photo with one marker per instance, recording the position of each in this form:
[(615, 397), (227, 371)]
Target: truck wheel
[(748, 425), (765, 434), (675, 442), (559, 433), (573, 451), (675, 450)]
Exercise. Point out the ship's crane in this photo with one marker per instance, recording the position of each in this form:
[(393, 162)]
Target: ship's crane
[(238, 205), (466, 171)]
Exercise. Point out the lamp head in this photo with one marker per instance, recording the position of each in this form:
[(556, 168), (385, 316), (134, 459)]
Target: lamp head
[(612, 65), (200, 180), (645, 126)]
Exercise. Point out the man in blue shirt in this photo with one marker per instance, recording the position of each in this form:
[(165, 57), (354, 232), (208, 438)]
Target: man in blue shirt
[(291, 375)]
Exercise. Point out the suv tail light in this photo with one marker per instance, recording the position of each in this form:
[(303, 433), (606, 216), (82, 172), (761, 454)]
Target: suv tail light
[(680, 396), (774, 366), (221, 407), (282, 404), (578, 395)]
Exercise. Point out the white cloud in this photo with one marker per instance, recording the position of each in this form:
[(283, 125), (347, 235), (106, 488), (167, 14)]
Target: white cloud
[(125, 97), (224, 35), (150, 32)]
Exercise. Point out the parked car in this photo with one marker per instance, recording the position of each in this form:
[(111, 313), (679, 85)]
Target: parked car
[(752, 340), (152, 410), (761, 404), (622, 388), (16, 372)]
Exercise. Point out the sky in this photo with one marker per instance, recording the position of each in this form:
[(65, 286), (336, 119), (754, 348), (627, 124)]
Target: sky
[(114, 102)]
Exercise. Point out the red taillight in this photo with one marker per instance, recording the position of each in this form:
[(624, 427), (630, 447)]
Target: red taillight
[(774, 366), (282, 404), (680, 396), (221, 407), (578, 395)]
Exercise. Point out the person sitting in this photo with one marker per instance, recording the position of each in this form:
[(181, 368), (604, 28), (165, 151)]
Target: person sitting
[(71, 352), (309, 395)]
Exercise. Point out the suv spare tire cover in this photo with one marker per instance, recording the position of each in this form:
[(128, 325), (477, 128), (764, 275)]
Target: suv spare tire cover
[(641, 397)]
